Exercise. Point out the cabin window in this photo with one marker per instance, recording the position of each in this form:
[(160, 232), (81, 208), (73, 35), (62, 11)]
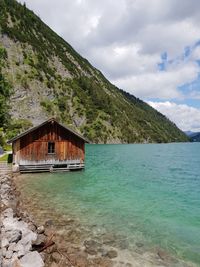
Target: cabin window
[(51, 147)]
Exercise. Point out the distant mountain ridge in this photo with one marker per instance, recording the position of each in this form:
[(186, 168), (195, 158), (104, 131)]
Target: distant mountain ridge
[(189, 133), (194, 136), (44, 77)]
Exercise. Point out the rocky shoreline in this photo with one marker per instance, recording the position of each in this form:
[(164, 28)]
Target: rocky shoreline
[(21, 239), (33, 236), (24, 243)]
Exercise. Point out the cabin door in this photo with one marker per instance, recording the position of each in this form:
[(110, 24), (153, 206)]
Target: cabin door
[(51, 152)]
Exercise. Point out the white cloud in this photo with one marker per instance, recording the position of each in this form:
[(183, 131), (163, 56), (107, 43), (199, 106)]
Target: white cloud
[(159, 84), (122, 61), (168, 36), (185, 117)]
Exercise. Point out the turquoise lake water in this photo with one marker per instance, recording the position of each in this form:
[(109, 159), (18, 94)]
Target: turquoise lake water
[(149, 193)]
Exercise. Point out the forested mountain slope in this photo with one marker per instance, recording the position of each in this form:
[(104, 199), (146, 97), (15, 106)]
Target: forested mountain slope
[(43, 76)]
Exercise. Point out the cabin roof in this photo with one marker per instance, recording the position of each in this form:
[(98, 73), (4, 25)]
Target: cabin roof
[(42, 124)]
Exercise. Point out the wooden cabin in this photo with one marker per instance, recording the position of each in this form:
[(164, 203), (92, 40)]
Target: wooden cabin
[(49, 146)]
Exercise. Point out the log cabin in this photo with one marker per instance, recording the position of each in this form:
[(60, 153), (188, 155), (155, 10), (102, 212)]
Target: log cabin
[(49, 146)]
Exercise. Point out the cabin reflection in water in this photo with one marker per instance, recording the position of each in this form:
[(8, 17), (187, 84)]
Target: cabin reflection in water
[(49, 146)]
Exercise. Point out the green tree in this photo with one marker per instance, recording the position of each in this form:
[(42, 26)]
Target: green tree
[(4, 92)]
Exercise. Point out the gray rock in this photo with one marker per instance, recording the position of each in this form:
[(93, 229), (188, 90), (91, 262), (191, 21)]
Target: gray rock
[(31, 259), (8, 223), (27, 239), (18, 247), (21, 253), (5, 202), (40, 241), (14, 260), (14, 236), (9, 254), (4, 250), (5, 187), (12, 246), (8, 212), (43, 255), (32, 226), (40, 229), (4, 242)]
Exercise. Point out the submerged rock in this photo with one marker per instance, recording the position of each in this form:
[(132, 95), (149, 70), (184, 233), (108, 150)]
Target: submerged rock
[(163, 255), (112, 254), (109, 239), (139, 244), (49, 223), (92, 246), (91, 243)]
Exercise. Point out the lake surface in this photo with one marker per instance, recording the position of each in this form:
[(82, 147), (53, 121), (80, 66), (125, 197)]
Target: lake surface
[(148, 193)]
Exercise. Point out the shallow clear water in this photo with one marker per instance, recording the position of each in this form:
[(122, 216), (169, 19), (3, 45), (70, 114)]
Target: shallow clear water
[(148, 193)]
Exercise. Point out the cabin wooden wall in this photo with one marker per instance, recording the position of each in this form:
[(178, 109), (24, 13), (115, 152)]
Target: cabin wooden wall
[(34, 145)]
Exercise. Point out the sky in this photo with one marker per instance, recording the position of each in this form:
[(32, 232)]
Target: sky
[(150, 48)]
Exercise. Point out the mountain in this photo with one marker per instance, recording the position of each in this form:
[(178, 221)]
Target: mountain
[(43, 76), (189, 133), (195, 137)]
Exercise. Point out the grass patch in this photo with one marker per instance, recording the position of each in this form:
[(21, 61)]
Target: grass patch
[(4, 158), (7, 147)]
